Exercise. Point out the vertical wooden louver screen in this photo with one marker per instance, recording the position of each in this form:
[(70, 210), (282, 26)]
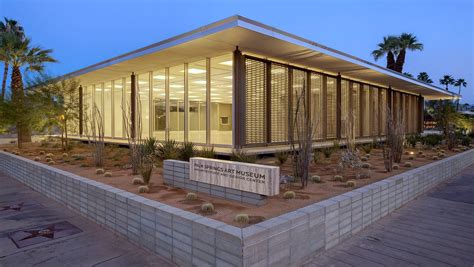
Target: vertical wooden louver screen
[(299, 81), (366, 107), (331, 108), (344, 106), (356, 108), (383, 111), (279, 103), (255, 101), (374, 111), (317, 105)]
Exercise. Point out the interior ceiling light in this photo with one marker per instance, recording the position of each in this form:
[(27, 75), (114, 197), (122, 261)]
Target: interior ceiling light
[(195, 71), (176, 86), (228, 77), (227, 63), (199, 82)]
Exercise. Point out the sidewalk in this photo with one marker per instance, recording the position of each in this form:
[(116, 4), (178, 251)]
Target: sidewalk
[(35, 230), (436, 229)]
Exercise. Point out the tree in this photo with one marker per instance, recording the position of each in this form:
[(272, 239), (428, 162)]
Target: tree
[(408, 74), (23, 55), (424, 77), (9, 30), (447, 80), (459, 83), (406, 41), (388, 47)]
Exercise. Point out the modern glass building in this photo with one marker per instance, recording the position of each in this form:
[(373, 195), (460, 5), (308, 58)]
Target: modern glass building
[(234, 84)]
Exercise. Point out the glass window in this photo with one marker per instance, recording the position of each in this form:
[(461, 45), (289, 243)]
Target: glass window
[(118, 114), (176, 91), (344, 107), (279, 103), (356, 108), (366, 111), (197, 101), (159, 105), (317, 105), (108, 109), (127, 107), (221, 100), (143, 107), (299, 98), (331, 106), (98, 93)]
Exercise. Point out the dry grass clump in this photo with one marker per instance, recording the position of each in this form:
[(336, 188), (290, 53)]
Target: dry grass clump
[(315, 179), (408, 164), (142, 189), (107, 174), (191, 196), (289, 195), (395, 166), (99, 171), (207, 208), (137, 181), (338, 178), (351, 183), (242, 218)]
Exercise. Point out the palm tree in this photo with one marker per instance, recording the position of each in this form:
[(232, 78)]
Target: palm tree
[(459, 83), (406, 41), (408, 74), (7, 28), (424, 77), (447, 80), (388, 47), (23, 55)]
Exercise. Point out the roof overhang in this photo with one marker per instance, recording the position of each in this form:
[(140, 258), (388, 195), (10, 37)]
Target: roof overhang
[(253, 38)]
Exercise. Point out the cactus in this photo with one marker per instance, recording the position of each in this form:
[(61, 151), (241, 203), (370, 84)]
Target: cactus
[(143, 189), (315, 179), (420, 152), (51, 162), (408, 164), (48, 159), (49, 155), (99, 171), (366, 165), (395, 166), (42, 153), (137, 181), (338, 178), (289, 195), (107, 174), (367, 155), (364, 159), (242, 218), (37, 158), (207, 208), (435, 158), (351, 183), (411, 157), (65, 155), (191, 196)]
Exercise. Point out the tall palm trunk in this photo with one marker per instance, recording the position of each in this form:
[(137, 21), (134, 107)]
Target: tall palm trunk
[(4, 81), (390, 60), (457, 102), (18, 98), (400, 61)]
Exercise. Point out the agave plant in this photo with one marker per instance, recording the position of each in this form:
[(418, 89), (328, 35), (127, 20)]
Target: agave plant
[(168, 150)]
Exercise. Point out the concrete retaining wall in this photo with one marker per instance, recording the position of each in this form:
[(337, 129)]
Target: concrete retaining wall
[(189, 239), (176, 173)]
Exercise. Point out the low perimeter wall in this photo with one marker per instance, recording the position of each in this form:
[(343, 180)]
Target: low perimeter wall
[(176, 173), (190, 239)]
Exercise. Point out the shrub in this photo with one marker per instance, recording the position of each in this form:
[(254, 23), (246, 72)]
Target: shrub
[(168, 150), (315, 179), (366, 165), (289, 195), (99, 171), (420, 152), (143, 189), (456, 150), (316, 156), (242, 218), (241, 156), (338, 178), (465, 141), (149, 146), (108, 174), (78, 157), (411, 157), (83, 165), (327, 151), (367, 148), (395, 166), (408, 164), (413, 139), (435, 158), (207, 208), (51, 162), (336, 145), (351, 183), (187, 151), (367, 155), (191, 196), (364, 159), (42, 152), (37, 159), (282, 157), (65, 155), (432, 139), (137, 181), (207, 152)]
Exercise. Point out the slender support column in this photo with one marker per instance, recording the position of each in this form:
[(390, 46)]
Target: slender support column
[(81, 111), (208, 101), (362, 110), (381, 92), (325, 107), (338, 105), (268, 85), (421, 117), (133, 105), (290, 105), (151, 109), (186, 103), (167, 103), (112, 108), (238, 101)]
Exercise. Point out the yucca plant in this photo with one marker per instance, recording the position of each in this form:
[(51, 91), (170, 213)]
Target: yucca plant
[(241, 156), (207, 152), (145, 170), (282, 157), (187, 151), (168, 150)]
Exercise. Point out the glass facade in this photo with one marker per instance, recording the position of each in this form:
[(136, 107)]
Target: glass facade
[(194, 102)]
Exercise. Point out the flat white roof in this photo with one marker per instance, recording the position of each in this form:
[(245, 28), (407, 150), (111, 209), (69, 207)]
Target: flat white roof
[(253, 38)]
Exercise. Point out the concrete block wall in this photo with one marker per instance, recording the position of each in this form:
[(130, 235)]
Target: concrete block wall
[(185, 238), (295, 237), (176, 173), (188, 239)]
